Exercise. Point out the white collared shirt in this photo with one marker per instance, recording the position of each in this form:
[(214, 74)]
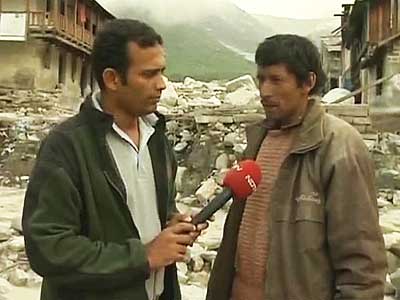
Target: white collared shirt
[(136, 170)]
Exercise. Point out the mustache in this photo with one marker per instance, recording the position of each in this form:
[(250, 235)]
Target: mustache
[(268, 100)]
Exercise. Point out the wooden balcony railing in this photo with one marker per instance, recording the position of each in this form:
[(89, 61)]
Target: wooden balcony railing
[(39, 20)]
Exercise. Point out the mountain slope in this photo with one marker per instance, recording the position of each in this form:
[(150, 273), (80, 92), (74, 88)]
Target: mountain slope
[(215, 44)]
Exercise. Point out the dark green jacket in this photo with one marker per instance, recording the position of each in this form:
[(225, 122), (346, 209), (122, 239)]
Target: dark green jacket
[(325, 241), (78, 230)]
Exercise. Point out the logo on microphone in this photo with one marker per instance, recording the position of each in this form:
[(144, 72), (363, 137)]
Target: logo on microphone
[(237, 168), (251, 182)]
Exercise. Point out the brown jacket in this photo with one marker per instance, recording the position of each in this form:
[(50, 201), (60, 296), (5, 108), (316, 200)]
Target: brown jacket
[(325, 240)]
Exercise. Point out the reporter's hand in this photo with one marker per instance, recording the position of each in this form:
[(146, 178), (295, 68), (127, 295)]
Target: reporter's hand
[(170, 245)]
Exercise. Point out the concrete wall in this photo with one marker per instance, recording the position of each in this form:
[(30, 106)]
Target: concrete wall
[(37, 5), (13, 5), (35, 65), (19, 64), (20, 5)]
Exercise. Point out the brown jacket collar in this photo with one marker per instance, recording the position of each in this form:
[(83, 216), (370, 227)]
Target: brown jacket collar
[(308, 135)]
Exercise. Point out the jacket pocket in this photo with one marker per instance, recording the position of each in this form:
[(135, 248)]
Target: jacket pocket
[(309, 219)]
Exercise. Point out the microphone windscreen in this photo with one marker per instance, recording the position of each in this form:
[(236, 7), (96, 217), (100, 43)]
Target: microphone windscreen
[(243, 178)]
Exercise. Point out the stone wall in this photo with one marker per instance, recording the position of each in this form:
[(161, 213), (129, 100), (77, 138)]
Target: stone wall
[(355, 114)]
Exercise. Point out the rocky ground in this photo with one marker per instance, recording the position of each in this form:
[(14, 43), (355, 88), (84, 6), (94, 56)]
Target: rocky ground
[(206, 124)]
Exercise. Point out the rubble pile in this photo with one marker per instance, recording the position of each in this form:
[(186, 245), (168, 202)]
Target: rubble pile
[(386, 154), (206, 127), (14, 265), (30, 101), (20, 137)]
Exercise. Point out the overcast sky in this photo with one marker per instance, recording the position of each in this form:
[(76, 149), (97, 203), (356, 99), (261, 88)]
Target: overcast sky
[(299, 9)]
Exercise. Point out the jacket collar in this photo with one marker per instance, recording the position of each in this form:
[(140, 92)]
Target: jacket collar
[(104, 121), (308, 135)]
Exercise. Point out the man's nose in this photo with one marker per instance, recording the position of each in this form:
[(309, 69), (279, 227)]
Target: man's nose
[(265, 89)]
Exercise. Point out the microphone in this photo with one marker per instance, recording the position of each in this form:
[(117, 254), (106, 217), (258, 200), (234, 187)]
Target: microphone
[(240, 182)]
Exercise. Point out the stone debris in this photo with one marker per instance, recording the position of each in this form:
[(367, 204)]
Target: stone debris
[(206, 127)]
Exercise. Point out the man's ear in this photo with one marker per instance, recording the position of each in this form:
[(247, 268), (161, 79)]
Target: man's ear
[(310, 83), (112, 79)]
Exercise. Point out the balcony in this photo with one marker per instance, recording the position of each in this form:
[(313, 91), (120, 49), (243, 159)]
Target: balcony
[(47, 25)]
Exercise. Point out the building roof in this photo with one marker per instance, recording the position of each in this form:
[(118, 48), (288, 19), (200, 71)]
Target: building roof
[(332, 43), (101, 7)]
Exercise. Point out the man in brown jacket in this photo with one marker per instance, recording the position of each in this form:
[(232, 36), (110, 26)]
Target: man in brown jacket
[(310, 231)]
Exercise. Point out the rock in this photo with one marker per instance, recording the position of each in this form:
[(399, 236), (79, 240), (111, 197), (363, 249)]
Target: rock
[(172, 126), (178, 180), (18, 277), (335, 94), (383, 203), (182, 267), (199, 102), (190, 201), (182, 103), (390, 221), (180, 147), (197, 263), (395, 279), (191, 181), (17, 244), (192, 292), (169, 96), (396, 198), (5, 232), (209, 256), (163, 110), (388, 178), (231, 139), (191, 83), (219, 178), (182, 278), (212, 240), (393, 262), (187, 136), (206, 191), (220, 127), (391, 239), (389, 288), (239, 148), (5, 287), (245, 81), (242, 97), (222, 162), (34, 280), (199, 279)]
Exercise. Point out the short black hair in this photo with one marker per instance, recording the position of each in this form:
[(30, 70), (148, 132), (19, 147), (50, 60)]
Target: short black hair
[(110, 48), (299, 55)]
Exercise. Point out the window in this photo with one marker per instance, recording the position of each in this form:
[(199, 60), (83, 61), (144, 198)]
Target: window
[(379, 75), (74, 65), (61, 67), (48, 5), (62, 7)]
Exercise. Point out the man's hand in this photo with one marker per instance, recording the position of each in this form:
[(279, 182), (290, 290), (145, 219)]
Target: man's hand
[(170, 245), (179, 218)]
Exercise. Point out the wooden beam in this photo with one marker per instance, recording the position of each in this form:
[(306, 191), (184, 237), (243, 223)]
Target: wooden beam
[(28, 15), (75, 18), (389, 39), (363, 89), (56, 13)]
